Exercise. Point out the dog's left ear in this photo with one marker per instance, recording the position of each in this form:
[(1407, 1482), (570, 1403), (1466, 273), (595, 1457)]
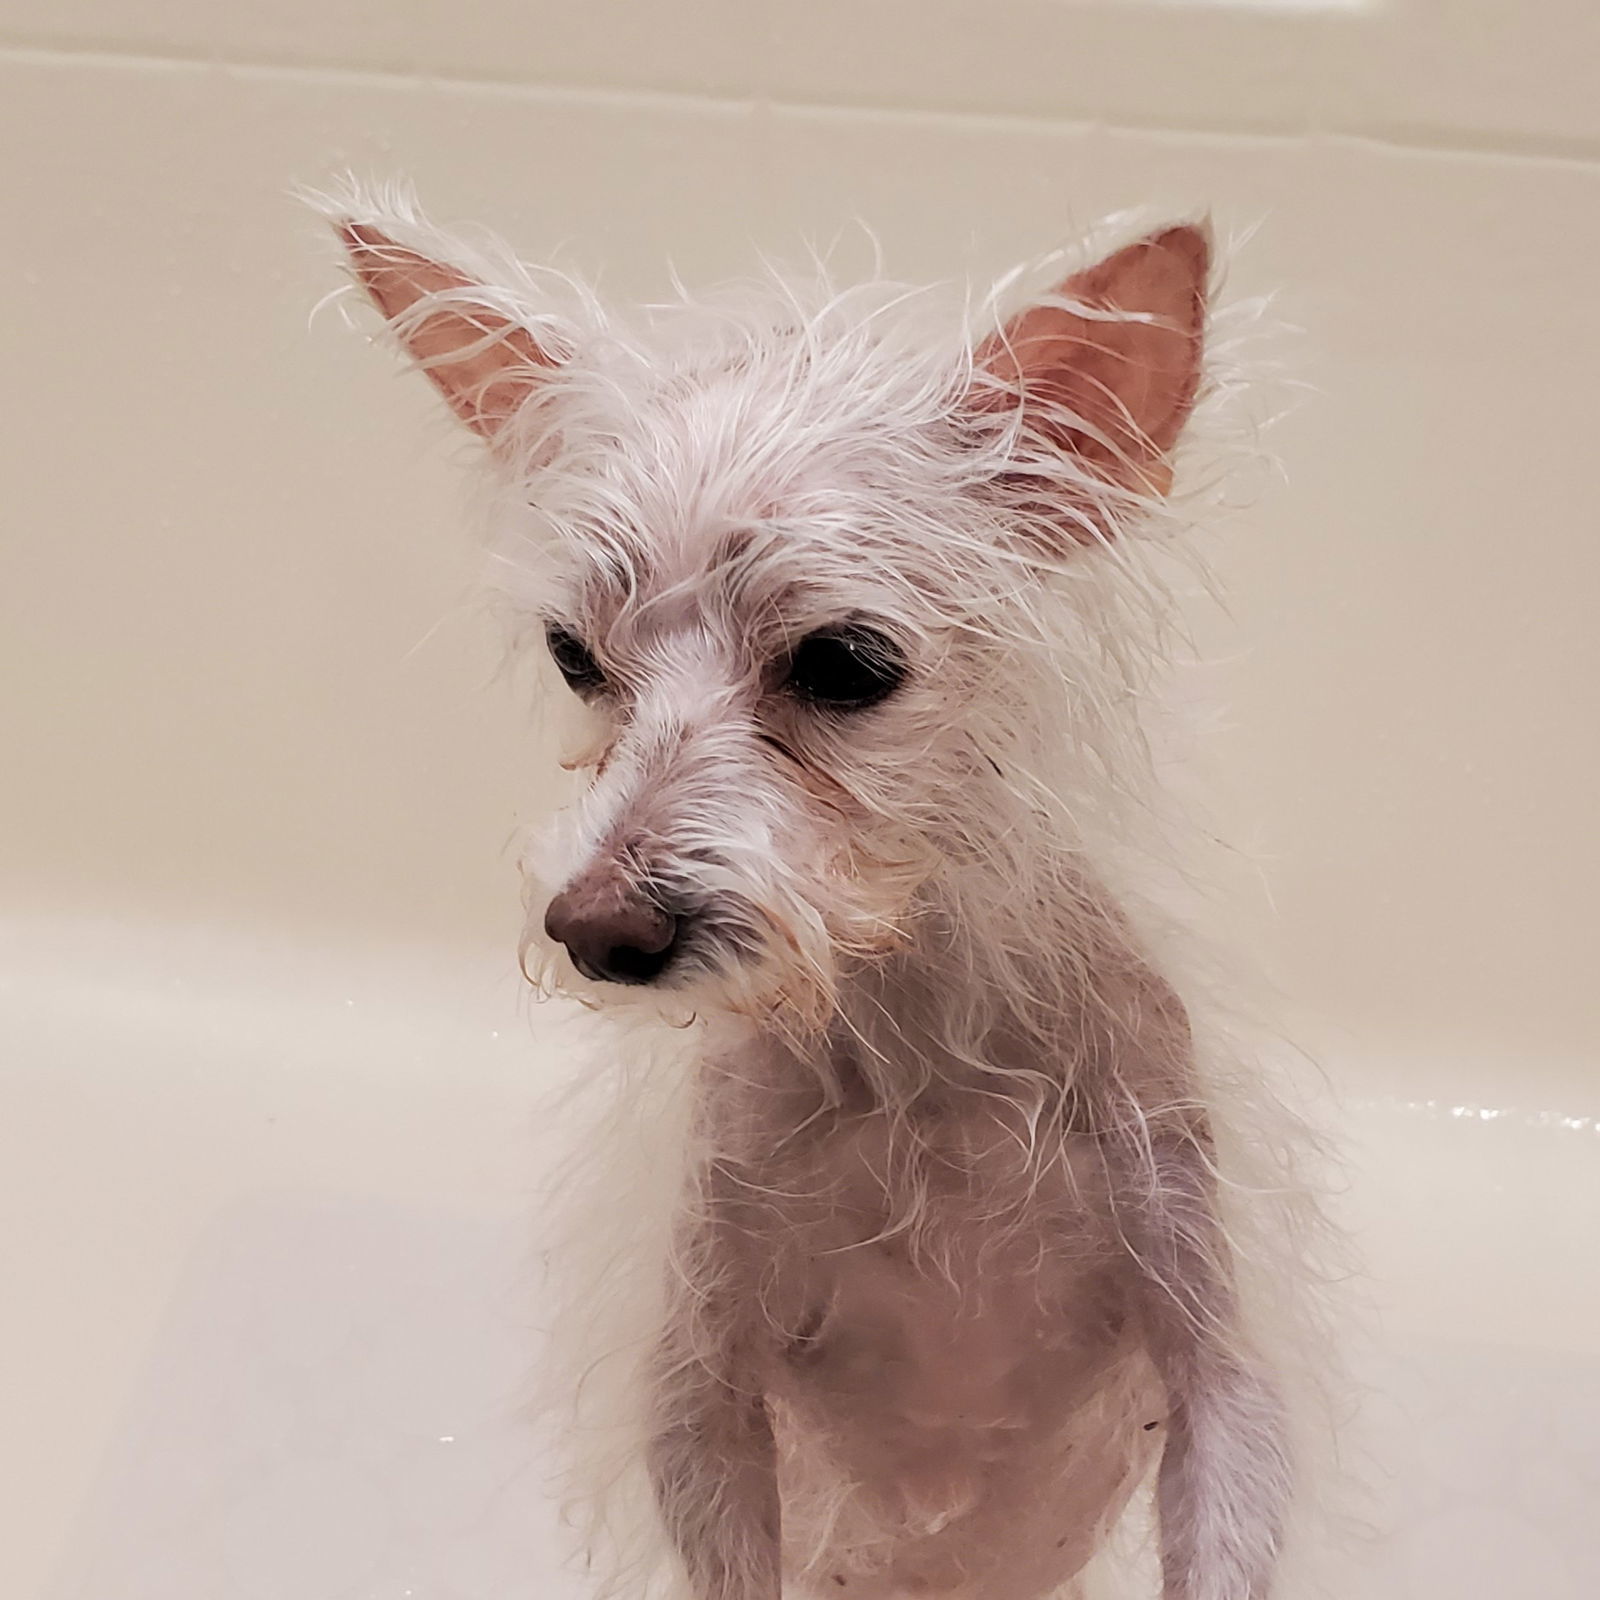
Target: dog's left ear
[(479, 355), (1107, 366)]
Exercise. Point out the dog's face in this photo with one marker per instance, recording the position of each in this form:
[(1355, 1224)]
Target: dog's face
[(775, 701), (791, 568)]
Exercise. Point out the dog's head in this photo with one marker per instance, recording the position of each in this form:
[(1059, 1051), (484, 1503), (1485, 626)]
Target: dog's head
[(819, 571)]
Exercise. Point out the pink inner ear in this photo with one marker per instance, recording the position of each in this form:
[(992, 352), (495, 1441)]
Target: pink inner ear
[(483, 362), (1114, 390)]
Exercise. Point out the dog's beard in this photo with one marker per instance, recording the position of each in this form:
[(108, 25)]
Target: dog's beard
[(773, 955)]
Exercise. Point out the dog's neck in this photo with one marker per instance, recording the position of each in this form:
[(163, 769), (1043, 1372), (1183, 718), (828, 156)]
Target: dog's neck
[(952, 1009)]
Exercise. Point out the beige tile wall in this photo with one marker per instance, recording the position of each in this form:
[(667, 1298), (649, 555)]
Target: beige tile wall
[(242, 677)]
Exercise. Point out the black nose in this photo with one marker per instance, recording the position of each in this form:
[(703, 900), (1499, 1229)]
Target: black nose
[(612, 935)]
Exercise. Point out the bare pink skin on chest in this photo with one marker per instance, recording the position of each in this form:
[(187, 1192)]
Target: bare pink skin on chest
[(944, 1335)]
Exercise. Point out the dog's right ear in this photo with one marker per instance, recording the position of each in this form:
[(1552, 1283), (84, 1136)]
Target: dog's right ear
[(480, 357)]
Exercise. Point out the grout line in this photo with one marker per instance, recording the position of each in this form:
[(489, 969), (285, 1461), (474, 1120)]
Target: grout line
[(1443, 141)]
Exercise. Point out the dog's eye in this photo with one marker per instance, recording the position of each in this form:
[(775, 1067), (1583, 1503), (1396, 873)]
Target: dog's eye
[(849, 667), (571, 655)]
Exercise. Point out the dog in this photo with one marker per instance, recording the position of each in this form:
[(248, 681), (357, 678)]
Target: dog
[(850, 598)]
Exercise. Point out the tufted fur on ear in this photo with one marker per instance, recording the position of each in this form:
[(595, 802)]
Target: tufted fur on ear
[(1107, 366), (482, 360)]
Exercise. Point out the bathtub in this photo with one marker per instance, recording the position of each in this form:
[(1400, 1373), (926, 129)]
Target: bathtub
[(271, 1229)]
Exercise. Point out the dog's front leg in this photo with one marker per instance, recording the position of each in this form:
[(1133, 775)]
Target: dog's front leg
[(713, 1461), (1225, 1475), (716, 1483)]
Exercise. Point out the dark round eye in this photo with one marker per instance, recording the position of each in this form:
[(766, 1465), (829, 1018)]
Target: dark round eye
[(850, 667), (571, 656)]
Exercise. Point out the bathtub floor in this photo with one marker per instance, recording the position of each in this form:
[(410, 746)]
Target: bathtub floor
[(271, 1234)]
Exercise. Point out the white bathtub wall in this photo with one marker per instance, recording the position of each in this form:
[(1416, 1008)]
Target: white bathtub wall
[(257, 773)]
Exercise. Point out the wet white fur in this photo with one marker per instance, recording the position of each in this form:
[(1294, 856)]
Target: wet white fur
[(828, 439)]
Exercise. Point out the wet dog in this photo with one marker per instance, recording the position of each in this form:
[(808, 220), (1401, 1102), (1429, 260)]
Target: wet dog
[(850, 594)]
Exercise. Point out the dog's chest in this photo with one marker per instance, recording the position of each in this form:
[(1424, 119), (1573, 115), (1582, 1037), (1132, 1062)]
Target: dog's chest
[(934, 1276), (943, 1322)]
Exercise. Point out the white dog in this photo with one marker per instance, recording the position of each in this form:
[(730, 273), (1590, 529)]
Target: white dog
[(856, 605)]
